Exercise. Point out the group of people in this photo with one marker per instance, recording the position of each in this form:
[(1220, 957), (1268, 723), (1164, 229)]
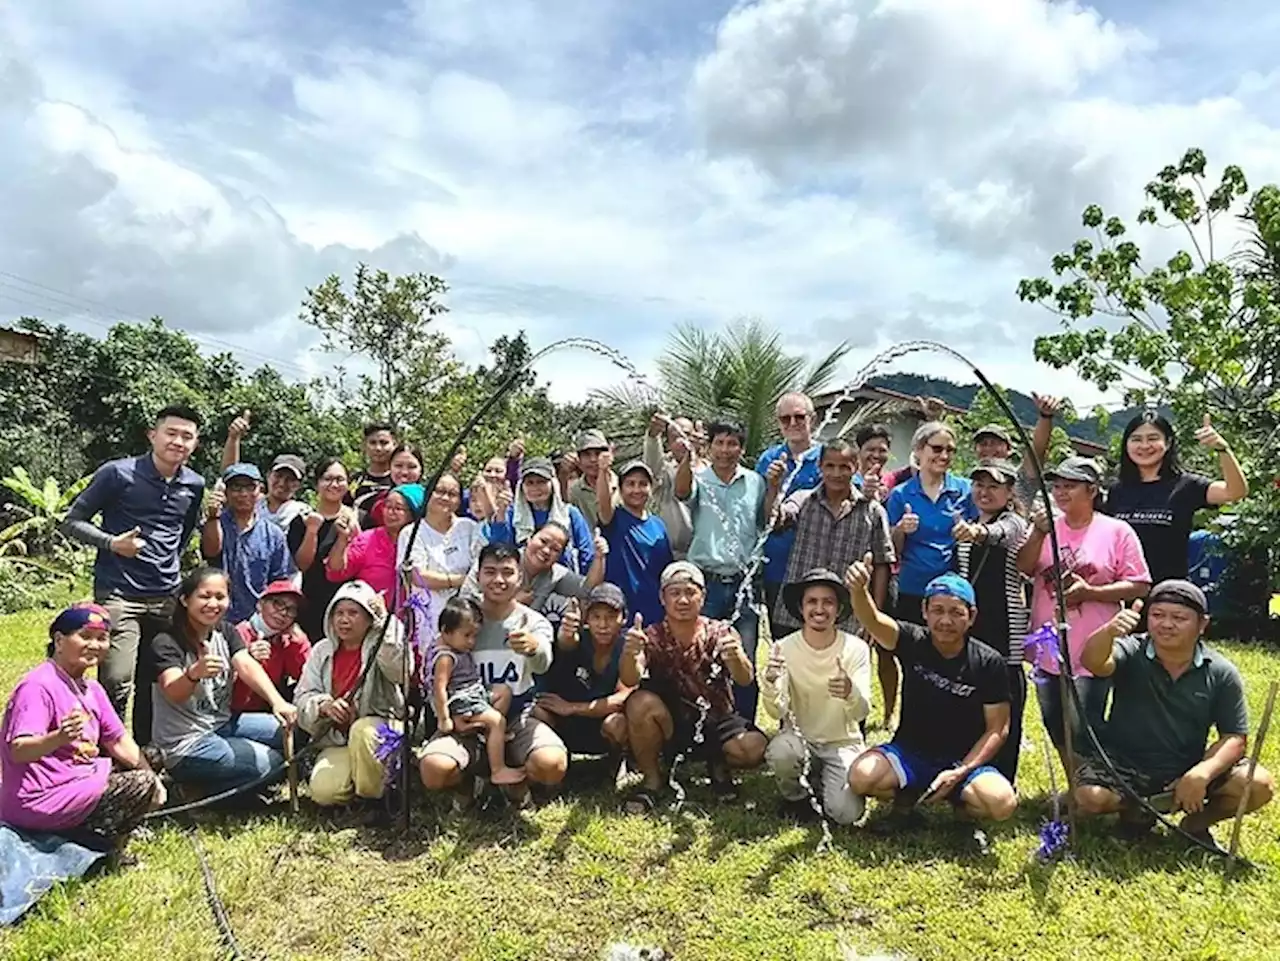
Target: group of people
[(559, 606)]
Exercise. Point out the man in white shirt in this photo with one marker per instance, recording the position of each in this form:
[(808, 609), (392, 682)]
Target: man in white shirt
[(818, 684)]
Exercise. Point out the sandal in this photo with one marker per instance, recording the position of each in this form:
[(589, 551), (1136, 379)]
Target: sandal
[(643, 800)]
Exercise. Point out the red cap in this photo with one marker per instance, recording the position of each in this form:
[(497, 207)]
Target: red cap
[(283, 587)]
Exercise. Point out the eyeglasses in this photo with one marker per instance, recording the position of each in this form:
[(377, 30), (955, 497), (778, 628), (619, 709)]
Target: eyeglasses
[(284, 606), (333, 479), (942, 448), (792, 418)]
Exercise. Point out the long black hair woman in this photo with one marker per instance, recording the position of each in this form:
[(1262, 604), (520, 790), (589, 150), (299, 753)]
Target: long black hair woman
[(1158, 499), (60, 737), (197, 662)]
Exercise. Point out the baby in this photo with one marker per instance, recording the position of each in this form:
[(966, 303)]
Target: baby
[(458, 693)]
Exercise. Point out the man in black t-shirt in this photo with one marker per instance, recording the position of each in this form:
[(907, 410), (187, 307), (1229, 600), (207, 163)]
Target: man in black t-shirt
[(366, 485), (955, 708)]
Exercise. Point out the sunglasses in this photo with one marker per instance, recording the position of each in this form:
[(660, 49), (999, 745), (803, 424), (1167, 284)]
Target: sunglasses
[(942, 448), (792, 418)]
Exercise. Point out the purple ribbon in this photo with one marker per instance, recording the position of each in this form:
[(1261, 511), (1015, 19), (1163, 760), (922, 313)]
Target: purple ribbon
[(1053, 838), (1042, 642), (386, 748)]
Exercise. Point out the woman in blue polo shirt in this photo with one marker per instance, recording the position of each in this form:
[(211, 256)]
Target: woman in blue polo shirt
[(923, 513)]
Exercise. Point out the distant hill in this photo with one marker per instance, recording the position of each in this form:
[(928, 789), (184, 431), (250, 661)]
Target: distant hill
[(961, 395)]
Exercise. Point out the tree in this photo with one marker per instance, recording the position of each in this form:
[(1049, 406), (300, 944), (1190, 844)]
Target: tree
[(737, 374), (388, 321), (1199, 333)]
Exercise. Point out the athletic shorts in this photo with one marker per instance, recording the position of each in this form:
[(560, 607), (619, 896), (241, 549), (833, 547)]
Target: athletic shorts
[(916, 772)]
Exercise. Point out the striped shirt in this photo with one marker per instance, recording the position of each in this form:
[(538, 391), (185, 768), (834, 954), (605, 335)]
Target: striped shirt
[(1000, 588)]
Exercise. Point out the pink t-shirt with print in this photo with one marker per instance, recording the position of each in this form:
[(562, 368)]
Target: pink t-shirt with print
[(1105, 551)]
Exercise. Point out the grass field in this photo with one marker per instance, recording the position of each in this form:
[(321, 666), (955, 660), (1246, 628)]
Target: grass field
[(567, 879)]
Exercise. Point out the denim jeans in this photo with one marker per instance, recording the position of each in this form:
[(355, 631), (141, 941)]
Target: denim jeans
[(242, 750), (1093, 695), (719, 605)]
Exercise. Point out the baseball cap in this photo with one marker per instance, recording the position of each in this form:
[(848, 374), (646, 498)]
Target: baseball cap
[(635, 465), (538, 467), (608, 594), (292, 463), (951, 585), (1083, 469), (283, 586), (592, 440), (242, 470), (1182, 592), (681, 571), (79, 616), (993, 430), (997, 468)]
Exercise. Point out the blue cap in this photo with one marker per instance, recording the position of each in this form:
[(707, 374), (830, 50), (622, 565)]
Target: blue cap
[(951, 585), (242, 470)]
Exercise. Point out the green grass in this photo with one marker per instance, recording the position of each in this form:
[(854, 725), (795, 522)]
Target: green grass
[(712, 883)]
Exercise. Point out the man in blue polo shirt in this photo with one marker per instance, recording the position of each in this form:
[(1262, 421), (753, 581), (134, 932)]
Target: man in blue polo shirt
[(639, 550), (241, 540), (795, 420), (150, 506), (1169, 689)]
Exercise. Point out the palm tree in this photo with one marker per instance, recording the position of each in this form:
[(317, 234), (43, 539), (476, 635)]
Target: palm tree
[(36, 529), (736, 374)]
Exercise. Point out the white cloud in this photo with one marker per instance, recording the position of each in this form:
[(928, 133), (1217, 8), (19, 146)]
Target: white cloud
[(868, 170)]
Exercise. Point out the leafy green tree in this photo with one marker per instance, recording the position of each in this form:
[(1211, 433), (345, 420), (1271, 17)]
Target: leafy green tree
[(1198, 333), (737, 374), (387, 320)]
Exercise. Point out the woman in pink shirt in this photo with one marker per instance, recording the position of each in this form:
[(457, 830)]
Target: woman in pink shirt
[(370, 556), (1103, 567), (59, 738)]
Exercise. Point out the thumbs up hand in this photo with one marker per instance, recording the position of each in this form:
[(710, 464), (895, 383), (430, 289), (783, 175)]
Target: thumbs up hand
[(1127, 620), (1209, 436), (910, 522), (240, 426), (570, 623), (633, 644), (872, 484), (858, 575), (840, 686), (128, 544)]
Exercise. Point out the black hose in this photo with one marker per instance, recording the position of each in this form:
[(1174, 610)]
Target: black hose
[(221, 919)]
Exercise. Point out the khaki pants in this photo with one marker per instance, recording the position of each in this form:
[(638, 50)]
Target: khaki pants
[(126, 672), (352, 770), (828, 774)]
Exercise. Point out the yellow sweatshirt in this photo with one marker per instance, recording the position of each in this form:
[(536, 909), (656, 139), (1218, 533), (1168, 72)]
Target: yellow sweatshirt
[(802, 688)]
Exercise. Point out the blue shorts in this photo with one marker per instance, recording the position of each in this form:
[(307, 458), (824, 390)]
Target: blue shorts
[(916, 772)]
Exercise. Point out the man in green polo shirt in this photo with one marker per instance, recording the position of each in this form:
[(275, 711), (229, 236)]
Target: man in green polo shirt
[(1169, 688)]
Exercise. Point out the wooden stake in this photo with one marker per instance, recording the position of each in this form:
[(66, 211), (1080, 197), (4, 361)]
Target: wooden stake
[(1253, 766), (293, 769)]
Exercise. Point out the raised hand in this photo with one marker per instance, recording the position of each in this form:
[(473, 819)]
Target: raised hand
[(872, 485), (840, 685), (634, 641), (1046, 405), (967, 533), (128, 544), (857, 577), (502, 500), (777, 470), (459, 462), (606, 460), (1126, 621), (1209, 436), (777, 664), (207, 665), (602, 545), (910, 522), (1041, 519), (571, 621), (217, 500), (240, 426), (515, 450), (522, 643), (658, 424)]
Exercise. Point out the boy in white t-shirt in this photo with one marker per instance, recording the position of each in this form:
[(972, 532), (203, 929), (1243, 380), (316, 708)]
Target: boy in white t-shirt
[(818, 683)]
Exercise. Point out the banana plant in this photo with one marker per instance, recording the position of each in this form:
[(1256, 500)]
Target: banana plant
[(43, 509)]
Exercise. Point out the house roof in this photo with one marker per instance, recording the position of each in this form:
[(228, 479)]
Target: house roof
[(883, 394)]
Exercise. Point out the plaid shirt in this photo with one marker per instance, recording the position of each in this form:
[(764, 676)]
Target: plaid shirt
[(831, 540), (686, 671)]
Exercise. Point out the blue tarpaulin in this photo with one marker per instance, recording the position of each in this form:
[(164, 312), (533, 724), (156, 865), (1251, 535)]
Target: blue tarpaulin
[(30, 864)]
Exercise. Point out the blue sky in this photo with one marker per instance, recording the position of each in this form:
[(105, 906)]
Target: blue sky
[(861, 170)]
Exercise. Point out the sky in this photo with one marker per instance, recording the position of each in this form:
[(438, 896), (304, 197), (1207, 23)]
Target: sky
[(868, 171)]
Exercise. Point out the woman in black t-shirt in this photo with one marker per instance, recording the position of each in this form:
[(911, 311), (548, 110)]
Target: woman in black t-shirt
[(311, 538), (1159, 499)]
